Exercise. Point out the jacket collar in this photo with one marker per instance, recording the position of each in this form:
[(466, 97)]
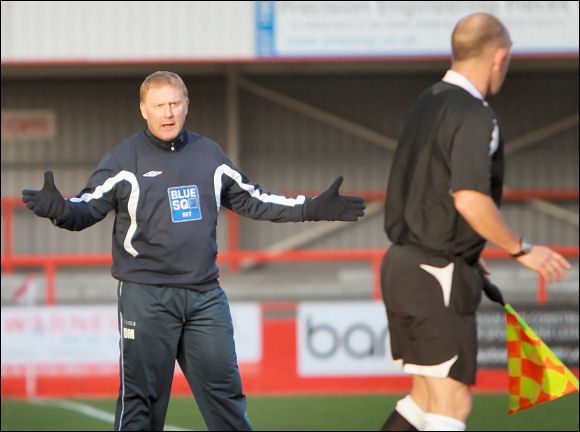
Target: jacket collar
[(174, 145)]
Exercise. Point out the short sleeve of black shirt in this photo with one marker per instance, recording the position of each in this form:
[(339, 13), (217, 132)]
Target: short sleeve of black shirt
[(470, 152)]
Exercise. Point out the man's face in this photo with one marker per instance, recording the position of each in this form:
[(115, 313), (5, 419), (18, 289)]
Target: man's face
[(164, 109)]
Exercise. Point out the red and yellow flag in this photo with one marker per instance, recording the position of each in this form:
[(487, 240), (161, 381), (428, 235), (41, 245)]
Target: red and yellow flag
[(536, 375)]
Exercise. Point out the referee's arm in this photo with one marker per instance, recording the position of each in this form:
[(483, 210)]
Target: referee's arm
[(481, 213)]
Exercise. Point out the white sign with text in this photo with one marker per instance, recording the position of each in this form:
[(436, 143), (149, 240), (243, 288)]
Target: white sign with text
[(28, 125), (406, 29), (72, 335), (343, 338)]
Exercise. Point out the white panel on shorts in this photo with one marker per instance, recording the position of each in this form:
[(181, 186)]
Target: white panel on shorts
[(437, 371), (444, 276)]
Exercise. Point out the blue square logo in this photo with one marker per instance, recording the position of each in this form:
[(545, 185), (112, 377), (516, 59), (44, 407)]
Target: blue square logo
[(184, 203)]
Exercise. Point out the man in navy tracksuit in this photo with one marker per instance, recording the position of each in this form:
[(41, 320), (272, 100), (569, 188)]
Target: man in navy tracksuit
[(166, 186)]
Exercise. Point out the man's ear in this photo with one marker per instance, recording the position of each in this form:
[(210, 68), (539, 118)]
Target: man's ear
[(143, 112), (499, 57)]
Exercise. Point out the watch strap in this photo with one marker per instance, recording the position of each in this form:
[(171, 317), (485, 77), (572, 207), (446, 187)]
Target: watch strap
[(525, 248)]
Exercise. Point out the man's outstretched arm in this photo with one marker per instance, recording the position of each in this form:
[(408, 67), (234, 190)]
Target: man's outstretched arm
[(234, 191), (48, 202), (484, 217)]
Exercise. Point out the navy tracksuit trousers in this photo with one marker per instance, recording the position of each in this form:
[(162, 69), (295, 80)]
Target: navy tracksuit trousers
[(161, 324)]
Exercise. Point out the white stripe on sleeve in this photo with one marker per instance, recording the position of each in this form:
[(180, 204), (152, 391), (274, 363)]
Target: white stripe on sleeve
[(254, 193), (131, 204)]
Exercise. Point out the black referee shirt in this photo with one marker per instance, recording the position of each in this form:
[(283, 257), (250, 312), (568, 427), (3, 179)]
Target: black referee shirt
[(450, 141)]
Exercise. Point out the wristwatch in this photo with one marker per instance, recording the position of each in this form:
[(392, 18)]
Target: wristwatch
[(526, 247)]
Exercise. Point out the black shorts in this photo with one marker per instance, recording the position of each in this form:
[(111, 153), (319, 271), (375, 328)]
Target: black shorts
[(431, 304)]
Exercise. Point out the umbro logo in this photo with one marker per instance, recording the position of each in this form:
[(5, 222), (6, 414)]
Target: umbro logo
[(152, 173)]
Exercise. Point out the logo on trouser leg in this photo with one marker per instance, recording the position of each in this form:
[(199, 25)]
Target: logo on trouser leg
[(128, 333)]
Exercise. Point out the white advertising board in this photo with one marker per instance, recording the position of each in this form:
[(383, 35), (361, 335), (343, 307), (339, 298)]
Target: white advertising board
[(342, 339), (405, 28), (59, 335), (76, 335), (247, 320)]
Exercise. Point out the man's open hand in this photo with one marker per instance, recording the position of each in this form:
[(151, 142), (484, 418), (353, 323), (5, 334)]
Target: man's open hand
[(331, 206), (47, 202)]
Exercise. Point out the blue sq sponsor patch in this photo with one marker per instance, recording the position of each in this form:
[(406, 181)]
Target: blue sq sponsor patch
[(184, 203)]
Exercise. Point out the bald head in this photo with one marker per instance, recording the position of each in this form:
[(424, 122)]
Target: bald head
[(475, 34)]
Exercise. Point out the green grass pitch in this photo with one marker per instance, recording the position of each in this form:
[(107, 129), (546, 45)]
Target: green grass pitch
[(336, 412)]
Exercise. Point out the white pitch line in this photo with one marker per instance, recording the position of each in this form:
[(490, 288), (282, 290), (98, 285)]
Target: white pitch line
[(89, 411)]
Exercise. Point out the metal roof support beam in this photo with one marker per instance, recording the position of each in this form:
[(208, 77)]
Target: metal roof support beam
[(555, 211), (536, 136), (232, 116), (319, 114), (374, 137), (320, 230), (533, 138)]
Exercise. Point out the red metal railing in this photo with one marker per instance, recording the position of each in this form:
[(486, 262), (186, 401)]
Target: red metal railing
[(233, 256)]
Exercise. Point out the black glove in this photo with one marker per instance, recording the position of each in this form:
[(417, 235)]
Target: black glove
[(47, 202), (492, 291), (331, 206)]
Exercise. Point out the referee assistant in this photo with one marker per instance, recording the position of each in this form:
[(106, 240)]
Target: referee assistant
[(444, 192), (166, 186)]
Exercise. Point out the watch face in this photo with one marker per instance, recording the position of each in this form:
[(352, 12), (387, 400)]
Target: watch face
[(526, 247)]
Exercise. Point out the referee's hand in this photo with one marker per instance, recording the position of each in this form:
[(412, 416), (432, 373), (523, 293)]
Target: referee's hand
[(331, 206), (551, 265), (47, 202)]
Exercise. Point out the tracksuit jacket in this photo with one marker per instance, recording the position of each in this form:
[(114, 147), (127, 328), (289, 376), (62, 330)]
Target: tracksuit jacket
[(166, 197)]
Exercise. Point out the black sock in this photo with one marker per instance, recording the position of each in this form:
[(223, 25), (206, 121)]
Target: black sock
[(396, 422)]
